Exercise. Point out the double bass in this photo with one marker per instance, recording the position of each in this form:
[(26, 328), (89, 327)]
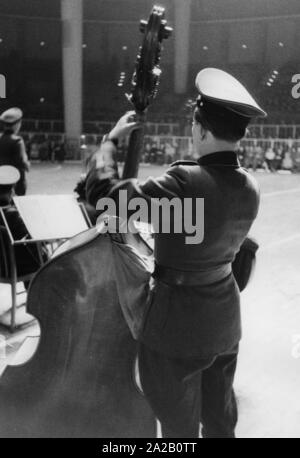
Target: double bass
[(81, 380)]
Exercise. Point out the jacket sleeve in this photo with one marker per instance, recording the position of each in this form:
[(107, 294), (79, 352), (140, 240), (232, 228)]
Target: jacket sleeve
[(102, 174), (22, 155), (103, 180)]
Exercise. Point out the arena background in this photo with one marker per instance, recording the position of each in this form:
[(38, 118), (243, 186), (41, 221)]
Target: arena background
[(258, 42)]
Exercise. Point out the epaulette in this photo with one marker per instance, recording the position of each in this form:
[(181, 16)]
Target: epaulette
[(184, 163)]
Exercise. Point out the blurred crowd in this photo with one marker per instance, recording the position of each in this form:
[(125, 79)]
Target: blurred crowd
[(161, 150), (44, 149), (253, 154), (270, 157), (163, 146)]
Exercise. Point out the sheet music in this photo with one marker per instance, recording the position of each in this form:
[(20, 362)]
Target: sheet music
[(51, 217)]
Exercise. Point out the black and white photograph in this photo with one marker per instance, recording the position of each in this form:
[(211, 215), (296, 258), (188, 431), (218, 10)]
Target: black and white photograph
[(149, 221)]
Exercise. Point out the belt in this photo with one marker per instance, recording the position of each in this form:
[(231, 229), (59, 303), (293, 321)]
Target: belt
[(189, 278)]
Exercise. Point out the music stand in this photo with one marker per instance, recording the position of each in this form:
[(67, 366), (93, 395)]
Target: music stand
[(52, 218), (48, 220)]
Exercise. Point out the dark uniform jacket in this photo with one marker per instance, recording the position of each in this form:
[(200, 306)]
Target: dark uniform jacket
[(203, 320), (13, 152)]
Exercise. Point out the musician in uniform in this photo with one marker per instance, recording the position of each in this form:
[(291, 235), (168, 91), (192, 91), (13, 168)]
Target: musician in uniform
[(189, 343), (12, 146)]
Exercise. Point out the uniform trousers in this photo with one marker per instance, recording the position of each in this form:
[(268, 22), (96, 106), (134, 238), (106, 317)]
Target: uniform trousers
[(185, 393)]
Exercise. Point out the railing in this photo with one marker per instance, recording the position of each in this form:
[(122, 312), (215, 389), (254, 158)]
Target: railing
[(160, 128), (97, 127)]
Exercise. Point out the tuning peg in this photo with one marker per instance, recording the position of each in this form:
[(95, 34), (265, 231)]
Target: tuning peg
[(156, 71), (143, 25), (167, 31), (159, 10)]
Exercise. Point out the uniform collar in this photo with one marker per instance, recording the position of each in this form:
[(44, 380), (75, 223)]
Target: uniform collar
[(220, 158)]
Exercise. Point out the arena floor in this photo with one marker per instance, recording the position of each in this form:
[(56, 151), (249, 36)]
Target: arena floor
[(268, 378)]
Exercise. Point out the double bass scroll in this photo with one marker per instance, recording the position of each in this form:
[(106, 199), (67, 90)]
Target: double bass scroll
[(145, 81)]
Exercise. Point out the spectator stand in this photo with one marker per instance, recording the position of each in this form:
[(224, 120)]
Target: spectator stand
[(164, 143)]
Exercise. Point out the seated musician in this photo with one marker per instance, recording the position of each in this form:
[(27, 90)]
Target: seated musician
[(27, 256), (80, 190), (192, 326)]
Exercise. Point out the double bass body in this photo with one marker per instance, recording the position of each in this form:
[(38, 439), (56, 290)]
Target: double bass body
[(80, 382)]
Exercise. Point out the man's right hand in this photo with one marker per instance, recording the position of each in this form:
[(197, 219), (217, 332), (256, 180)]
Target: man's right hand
[(124, 126)]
